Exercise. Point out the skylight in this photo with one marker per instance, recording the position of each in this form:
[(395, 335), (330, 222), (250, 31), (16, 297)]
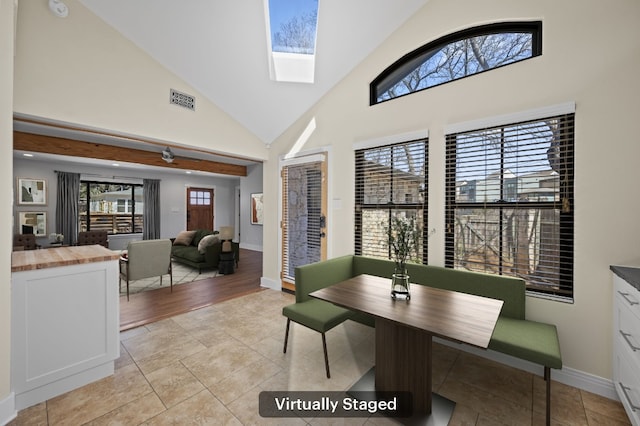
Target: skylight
[(291, 27)]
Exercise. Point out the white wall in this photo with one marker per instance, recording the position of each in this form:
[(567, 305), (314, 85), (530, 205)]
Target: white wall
[(80, 70), (173, 216), (7, 406), (591, 54)]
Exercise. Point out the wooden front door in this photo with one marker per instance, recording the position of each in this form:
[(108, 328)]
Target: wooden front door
[(199, 208)]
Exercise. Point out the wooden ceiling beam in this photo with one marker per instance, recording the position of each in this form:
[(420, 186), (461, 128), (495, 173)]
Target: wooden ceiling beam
[(73, 148)]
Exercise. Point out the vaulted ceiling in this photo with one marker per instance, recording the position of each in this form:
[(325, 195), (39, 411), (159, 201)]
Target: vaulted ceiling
[(220, 48)]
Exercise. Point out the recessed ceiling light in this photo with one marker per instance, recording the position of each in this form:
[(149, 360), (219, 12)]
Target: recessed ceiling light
[(115, 165), (26, 154), (188, 172)]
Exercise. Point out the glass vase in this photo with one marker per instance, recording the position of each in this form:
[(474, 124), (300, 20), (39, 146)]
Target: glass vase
[(400, 285)]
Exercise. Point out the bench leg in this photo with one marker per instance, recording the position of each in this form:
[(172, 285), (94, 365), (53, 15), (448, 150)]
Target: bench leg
[(286, 336), (547, 379), (326, 357)]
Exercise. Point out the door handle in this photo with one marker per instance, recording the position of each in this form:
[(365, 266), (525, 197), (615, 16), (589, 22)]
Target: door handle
[(626, 337), (628, 398)]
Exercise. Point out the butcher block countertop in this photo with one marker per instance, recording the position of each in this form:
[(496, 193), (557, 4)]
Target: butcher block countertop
[(29, 260)]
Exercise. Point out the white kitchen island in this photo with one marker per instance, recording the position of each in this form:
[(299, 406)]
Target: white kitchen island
[(65, 320)]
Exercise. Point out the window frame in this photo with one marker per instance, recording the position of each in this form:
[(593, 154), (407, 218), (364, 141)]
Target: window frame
[(131, 203), (566, 231), (360, 185), (409, 60)]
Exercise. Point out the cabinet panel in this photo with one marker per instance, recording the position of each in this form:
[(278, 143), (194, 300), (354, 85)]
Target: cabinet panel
[(65, 328), (626, 347), (628, 388), (628, 296)]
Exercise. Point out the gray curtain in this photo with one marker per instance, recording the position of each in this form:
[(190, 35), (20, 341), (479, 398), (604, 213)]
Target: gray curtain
[(67, 200), (151, 214)]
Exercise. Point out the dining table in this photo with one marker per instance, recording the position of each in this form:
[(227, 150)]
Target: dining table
[(404, 332)]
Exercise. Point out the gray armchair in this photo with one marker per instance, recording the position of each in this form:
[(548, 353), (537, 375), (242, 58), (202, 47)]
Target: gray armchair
[(146, 259)]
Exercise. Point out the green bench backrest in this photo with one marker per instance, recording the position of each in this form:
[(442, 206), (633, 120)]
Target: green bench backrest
[(315, 276), (322, 274), (510, 290)]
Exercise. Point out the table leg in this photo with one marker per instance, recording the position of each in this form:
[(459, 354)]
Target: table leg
[(403, 362)]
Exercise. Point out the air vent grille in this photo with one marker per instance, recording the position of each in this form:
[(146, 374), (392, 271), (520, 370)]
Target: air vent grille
[(183, 100)]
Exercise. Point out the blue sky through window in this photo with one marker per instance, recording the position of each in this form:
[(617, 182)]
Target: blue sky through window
[(293, 25)]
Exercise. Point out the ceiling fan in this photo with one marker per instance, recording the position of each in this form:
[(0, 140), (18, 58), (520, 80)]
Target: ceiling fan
[(167, 155)]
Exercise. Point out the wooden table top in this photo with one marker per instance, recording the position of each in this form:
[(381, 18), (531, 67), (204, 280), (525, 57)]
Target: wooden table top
[(29, 260), (452, 315)]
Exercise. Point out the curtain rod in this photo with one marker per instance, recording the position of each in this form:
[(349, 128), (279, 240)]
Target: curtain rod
[(105, 177)]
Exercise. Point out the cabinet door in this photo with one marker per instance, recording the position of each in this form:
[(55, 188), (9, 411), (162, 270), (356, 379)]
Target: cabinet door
[(628, 387)]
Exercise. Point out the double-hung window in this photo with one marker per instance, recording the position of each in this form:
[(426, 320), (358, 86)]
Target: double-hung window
[(510, 203), (391, 181)]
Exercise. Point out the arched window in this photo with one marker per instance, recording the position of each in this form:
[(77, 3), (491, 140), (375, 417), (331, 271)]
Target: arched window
[(458, 55)]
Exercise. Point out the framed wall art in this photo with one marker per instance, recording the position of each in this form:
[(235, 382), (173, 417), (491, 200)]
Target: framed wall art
[(32, 192), (32, 223), (256, 209)]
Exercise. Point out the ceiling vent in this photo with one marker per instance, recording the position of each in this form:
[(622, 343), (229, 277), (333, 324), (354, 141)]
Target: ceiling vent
[(183, 100)]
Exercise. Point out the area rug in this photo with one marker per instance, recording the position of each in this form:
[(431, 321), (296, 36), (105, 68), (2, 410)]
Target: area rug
[(182, 274)]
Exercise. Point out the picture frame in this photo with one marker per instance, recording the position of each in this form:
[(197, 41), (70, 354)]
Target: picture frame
[(257, 208), (31, 192), (32, 223)]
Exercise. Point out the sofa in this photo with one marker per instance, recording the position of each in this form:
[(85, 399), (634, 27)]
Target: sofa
[(185, 249), (513, 335)]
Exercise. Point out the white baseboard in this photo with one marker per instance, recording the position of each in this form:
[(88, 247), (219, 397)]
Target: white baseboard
[(586, 381), (8, 409), (251, 247), (269, 283), (566, 375)]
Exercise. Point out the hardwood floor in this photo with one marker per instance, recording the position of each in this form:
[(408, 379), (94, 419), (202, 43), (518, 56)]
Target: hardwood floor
[(154, 305)]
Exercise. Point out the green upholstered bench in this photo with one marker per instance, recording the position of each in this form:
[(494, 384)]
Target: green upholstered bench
[(514, 335)]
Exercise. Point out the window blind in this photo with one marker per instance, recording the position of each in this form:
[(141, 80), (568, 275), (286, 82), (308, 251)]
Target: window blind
[(510, 203), (390, 181)]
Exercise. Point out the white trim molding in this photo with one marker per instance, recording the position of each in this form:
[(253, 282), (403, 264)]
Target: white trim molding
[(253, 247), (517, 117), (391, 139), (303, 159), (8, 410), (271, 284)]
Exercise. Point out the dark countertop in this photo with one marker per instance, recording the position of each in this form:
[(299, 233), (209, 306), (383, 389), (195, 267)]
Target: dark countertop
[(629, 274)]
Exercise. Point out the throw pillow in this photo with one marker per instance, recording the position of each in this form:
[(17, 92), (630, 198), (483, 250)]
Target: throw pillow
[(206, 241), (184, 238)]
